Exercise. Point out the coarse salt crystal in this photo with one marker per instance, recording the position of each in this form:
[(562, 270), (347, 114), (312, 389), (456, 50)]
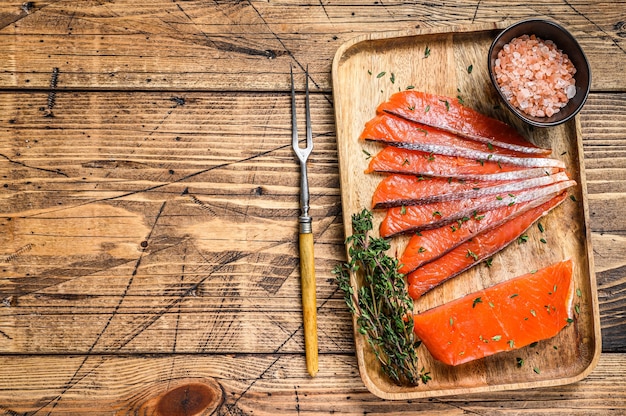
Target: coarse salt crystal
[(537, 77)]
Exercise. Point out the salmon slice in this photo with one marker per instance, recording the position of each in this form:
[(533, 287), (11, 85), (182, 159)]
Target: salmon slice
[(426, 246), (423, 217), (475, 250), (403, 190), (504, 317), (448, 114), (406, 134), (393, 159)]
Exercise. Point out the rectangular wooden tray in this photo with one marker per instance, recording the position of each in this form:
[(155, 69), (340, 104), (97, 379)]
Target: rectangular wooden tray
[(453, 62)]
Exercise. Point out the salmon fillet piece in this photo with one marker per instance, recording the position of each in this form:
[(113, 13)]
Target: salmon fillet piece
[(424, 217), (448, 114), (398, 190), (504, 317), (399, 132), (393, 159), (474, 251)]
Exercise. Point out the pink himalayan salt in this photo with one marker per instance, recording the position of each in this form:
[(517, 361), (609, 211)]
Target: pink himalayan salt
[(535, 76)]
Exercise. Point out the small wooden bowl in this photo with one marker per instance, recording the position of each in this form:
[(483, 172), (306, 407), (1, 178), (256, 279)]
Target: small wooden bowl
[(564, 41)]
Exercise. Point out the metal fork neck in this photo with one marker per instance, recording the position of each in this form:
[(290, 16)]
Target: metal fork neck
[(305, 218)]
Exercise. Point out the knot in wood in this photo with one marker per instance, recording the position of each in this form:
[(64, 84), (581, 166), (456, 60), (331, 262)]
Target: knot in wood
[(187, 400)]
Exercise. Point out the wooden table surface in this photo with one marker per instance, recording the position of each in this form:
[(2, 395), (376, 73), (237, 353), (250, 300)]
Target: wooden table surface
[(149, 203)]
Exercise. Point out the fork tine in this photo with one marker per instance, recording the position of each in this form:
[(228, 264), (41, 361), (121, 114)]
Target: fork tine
[(294, 123), (309, 134), (303, 153)]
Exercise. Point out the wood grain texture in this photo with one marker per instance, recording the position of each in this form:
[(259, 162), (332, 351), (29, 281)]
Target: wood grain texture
[(270, 385), (193, 46), (71, 243), (112, 206), (605, 158), (149, 202)]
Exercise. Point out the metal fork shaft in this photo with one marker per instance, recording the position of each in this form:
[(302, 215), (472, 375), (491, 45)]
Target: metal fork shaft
[(304, 219)]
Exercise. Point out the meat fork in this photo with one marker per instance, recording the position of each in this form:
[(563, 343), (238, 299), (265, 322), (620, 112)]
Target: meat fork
[(307, 263)]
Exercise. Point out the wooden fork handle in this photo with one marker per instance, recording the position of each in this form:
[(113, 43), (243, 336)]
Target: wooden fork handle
[(309, 301)]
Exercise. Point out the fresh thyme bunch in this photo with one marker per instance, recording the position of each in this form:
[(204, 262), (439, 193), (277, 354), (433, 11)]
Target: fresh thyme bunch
[(382, 305)]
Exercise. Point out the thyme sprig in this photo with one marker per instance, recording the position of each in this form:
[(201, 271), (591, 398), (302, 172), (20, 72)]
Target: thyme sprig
[(382, 305)]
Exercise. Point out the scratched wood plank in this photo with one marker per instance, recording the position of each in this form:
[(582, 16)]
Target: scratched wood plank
[(175, 232), (150, 222), (194, 45), (139, 185), (604, 149), (170, 233), (267, 385)]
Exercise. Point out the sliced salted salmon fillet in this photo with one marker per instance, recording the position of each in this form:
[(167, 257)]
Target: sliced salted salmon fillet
[(393, 159), (507, 316), (426, 246), (403, 190), (475, 250), (399, 132), (448, 114), (423, 217)]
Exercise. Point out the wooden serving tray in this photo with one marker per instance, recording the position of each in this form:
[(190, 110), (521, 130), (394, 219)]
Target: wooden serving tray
[(359, 85)]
